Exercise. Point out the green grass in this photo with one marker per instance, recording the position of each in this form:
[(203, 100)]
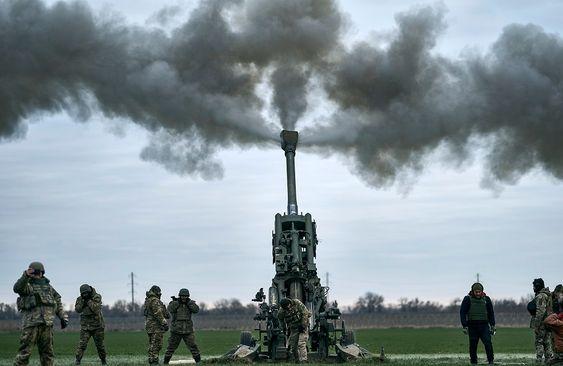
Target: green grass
[(409, 346)]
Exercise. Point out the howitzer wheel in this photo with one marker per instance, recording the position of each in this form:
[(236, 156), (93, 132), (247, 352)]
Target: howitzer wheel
[(246, 339), (349, 337)]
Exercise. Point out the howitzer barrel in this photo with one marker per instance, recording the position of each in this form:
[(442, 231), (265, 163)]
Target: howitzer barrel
[(289, 145)]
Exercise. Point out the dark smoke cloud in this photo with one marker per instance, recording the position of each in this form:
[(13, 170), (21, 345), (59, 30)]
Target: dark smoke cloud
[(399, 102), (194, 88), (290, 94), (195, 85)]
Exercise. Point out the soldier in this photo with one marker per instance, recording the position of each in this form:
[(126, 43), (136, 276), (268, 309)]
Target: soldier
[(295, 316), (543, 307), (39, 303), (181, 310), (155, 322), (478, 321), (89, 306)]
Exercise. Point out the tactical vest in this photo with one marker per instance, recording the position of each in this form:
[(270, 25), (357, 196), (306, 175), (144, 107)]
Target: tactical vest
[(181, 318), (41, 295), (90, 319), (478, 309), (182, 313)]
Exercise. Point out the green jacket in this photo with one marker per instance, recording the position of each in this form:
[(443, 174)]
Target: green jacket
[(38, 301), (182, 316), (297, 315), (155, 314), (90, 311)]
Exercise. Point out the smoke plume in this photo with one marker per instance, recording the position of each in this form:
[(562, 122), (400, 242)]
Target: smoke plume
[(195, 88)]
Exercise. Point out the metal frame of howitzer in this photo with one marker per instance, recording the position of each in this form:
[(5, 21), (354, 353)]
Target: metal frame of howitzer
[(294, 249)]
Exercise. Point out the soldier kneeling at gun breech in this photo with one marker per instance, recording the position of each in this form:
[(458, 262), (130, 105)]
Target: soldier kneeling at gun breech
[(182, 327), (295, 316)]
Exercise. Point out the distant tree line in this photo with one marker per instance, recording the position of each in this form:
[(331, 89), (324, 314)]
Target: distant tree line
[(368, 303), (374, 303)]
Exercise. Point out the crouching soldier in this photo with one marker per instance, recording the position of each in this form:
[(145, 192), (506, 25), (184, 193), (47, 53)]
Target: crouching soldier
[(181, 310), (89, 306), (38, 303), (478, 321), (295, 316), (155, 323)]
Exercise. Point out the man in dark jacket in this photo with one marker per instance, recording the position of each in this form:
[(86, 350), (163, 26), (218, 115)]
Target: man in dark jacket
[(478, 321), (181, 310)]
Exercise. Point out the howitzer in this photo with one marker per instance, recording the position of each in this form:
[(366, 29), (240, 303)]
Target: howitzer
[(294, 249)]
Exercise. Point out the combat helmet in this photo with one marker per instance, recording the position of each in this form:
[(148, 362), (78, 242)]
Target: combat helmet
[(38, 266), (156, 290), (85, 288), (184, 292), (284, 303)]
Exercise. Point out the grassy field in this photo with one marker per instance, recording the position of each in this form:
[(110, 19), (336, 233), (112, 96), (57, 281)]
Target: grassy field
[(402, 346)]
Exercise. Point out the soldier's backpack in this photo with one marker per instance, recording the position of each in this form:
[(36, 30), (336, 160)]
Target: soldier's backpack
[(532, 307), (24, 303)]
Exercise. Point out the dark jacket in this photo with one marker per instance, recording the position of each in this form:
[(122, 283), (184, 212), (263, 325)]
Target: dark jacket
[(464, 310)]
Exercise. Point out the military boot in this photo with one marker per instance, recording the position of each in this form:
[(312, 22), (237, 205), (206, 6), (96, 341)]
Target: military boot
[(104, 362), (77, 362), (197, 359), (167, 359)]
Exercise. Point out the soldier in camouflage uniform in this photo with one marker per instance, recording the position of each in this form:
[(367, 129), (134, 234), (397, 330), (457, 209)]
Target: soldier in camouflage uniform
[(38, 303), (543, 307), (89, 306), (155, 322), (295, 316), (181, 310)]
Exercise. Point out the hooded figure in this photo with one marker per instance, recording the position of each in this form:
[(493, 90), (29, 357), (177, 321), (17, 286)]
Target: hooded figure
[(155, 323), (544, 307), (478, 321), (89, 306)]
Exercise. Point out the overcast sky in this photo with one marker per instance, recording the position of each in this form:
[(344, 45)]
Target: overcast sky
[(77, 197)]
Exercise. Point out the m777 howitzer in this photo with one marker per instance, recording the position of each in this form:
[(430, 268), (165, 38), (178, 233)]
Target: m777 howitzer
[(294, 249)]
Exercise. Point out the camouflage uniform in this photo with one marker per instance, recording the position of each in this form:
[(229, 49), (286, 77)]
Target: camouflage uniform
[(543, 339), (155, 323), (91, 322), (182, 326), (296, 318), (38, 303)]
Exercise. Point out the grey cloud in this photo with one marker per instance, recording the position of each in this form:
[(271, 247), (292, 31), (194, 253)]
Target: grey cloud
[(195, 88)]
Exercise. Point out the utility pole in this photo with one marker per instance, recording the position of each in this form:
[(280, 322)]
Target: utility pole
[(478, 278), (327, 286), (132, 290)]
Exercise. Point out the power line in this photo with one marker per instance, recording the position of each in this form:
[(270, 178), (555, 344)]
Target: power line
[(328, 287)]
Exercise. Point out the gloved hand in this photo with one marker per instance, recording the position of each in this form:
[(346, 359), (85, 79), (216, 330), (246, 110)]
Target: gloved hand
[(64, 323), (493, 330), (165, 327), (301, 328), (464, 330)]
